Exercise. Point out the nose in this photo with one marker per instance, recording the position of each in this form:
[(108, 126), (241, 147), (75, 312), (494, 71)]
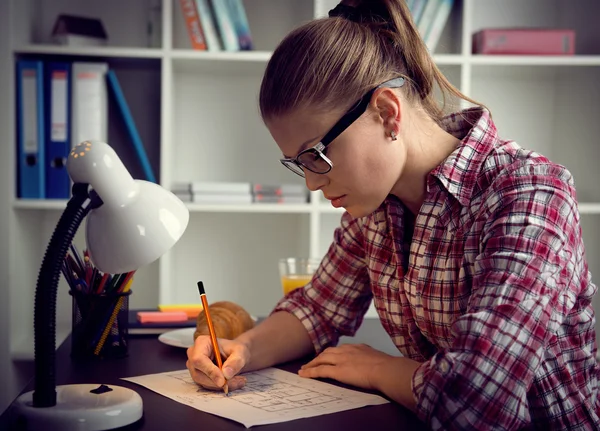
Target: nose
[(314, 181)]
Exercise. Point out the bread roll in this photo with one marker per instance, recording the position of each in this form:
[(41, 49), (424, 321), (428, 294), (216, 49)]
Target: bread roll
[(228, 318)]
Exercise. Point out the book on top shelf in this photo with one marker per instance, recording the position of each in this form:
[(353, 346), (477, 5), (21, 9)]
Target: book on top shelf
[(240, 23), (207, 21), (193, 25), (524, 41), (225, 25), (438, 22)]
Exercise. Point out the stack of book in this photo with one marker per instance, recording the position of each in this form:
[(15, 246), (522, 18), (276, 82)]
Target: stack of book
[(280, 193), (217, 25), (206, 192), (430, 17)]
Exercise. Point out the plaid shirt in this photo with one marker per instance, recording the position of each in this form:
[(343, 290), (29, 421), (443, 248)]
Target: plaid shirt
[(491, 292)]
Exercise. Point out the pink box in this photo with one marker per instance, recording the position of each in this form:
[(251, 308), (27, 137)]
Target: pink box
[(524, 41), (161, 316)]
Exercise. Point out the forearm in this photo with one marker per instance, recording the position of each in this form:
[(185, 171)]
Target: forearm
[(394, 379), (281, 337)]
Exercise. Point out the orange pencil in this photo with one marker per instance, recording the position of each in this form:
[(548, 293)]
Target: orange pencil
[(211, 329)]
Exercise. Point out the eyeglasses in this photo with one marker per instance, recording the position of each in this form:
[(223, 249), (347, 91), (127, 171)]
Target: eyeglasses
[(314, 158)]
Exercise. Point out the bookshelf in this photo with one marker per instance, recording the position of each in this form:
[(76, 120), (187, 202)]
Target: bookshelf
[(198, 116)]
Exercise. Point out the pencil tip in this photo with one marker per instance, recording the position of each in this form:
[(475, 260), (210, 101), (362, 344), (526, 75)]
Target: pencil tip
[(226, 389)]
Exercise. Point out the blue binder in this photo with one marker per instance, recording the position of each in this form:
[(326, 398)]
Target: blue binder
[(130, 124), (58, 126), (30, 130)]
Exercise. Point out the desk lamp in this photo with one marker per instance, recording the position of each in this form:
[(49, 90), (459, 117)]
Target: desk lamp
[(130, 223)]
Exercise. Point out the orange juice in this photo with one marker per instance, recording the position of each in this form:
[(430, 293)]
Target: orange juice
[(294, 281)]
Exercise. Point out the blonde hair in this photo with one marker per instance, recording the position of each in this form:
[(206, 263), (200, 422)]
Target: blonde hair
[(329, 63)]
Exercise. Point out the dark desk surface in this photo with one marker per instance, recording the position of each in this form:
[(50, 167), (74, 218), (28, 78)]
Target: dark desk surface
[(147, 356)]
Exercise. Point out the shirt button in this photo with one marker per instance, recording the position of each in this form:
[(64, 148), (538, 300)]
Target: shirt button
[(444, 367)]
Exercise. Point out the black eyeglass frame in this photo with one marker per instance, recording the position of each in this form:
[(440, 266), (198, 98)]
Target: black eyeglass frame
[(295, 164)]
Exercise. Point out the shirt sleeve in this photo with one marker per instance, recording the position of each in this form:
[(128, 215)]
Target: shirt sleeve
[(526, 280), (338, 296)]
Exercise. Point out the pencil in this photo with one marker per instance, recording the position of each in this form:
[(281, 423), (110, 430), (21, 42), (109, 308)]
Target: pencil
[(211, 329)]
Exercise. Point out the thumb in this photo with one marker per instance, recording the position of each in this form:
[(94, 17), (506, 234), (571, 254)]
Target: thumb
[(232, 366)]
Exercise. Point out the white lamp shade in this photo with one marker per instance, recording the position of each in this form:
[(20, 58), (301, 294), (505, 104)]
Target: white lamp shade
[(138, 221)]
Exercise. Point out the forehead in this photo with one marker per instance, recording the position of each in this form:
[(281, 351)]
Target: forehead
[(292, 130)]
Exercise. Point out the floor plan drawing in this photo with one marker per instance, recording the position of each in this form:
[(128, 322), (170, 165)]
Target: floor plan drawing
[(270, 395)]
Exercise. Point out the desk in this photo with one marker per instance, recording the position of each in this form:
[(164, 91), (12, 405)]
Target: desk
[(147, 356)]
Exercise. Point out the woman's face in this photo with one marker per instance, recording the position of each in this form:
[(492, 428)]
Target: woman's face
[(367, 163)]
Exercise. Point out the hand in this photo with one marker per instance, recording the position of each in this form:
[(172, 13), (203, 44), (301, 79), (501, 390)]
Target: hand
[(354, 364), (204, 372)]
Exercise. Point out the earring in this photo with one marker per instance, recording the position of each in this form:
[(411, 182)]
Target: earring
[(393, 135)]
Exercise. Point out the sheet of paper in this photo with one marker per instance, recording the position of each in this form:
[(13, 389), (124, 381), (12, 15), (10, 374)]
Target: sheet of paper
[(271, 395)]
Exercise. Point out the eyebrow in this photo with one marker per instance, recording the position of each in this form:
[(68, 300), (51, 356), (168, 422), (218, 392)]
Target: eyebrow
[(303, 146)]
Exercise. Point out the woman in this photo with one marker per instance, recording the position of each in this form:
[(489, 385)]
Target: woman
[(469, 245)]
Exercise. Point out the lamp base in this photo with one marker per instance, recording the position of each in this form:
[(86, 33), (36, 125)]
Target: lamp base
[(86, 407)]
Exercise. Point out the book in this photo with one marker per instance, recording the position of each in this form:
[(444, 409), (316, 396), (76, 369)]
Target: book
[(31, 176), (193, 25), (207, 21), (279, 199), (216, 187), (279, 189), (136, 140), (240, 23), (225, 25), (57, 82), (427, 16), (89, 102), (135, 327), (213, 198), (524, 41), (434, 32)]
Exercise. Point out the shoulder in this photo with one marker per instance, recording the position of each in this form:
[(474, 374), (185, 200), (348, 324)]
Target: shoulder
[(510, 169)]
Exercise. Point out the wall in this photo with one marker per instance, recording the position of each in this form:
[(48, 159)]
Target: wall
[(7, 373)]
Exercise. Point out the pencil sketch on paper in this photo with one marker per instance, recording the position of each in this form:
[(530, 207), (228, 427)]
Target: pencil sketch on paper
[(270, 395)]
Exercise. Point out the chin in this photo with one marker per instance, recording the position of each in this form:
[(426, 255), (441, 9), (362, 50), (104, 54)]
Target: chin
[(358, 212)]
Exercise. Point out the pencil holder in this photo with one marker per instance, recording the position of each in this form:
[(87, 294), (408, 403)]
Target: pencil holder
[(100, 325)]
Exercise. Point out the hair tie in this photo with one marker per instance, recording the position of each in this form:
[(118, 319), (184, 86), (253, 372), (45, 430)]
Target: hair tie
[(351, 13)]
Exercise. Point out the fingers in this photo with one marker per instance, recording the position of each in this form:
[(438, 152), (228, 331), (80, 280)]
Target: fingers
[(321, 371), (201, 367), (329, 356), (206, 373), (202, 379), (237, 382)]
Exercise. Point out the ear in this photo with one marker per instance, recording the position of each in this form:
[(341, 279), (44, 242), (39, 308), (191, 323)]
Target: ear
[(387, 105)]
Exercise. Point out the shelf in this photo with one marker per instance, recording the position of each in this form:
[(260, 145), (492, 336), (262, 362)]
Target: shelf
[(589, 208), (91, 51), (40, 204), (48, 204), (535, 60), (264, 56), (251, 208), (448, 59), (244, 56)]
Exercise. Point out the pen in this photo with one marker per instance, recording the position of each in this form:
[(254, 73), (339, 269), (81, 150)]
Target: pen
[(211, 329)]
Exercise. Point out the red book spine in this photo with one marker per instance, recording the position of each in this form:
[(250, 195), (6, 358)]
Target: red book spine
[(524, 42), (192, 22)]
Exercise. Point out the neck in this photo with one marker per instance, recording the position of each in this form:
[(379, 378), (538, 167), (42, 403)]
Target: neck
[(427, 146)]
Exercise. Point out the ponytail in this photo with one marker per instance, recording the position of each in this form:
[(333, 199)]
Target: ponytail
[(329, 63)]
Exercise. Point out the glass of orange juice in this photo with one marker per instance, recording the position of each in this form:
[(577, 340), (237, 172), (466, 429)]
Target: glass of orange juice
[(295, 272)]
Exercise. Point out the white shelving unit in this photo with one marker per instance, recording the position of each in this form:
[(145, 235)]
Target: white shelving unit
[(198, 116)]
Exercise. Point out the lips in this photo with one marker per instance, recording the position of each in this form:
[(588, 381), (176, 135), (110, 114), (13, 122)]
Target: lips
[(336, 201)]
